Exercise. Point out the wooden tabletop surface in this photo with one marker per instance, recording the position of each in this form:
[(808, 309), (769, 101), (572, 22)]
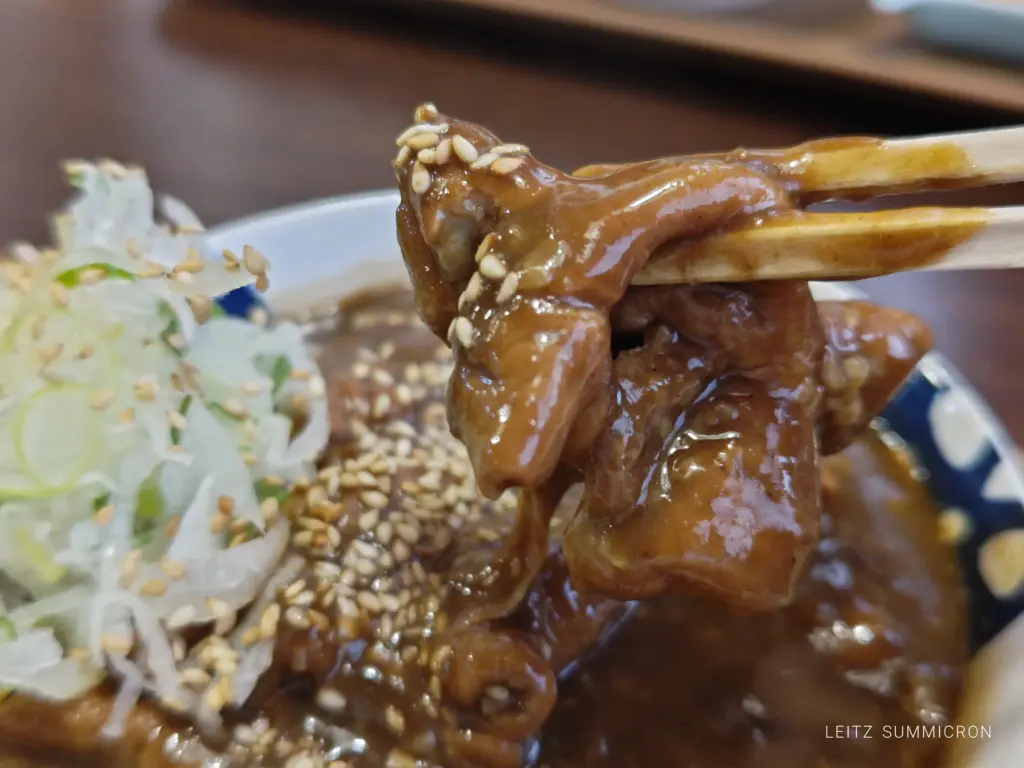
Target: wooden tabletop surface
[(238, 108)]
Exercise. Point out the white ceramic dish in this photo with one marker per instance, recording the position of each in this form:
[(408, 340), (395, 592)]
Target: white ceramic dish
[(324, 250), (993, 28)]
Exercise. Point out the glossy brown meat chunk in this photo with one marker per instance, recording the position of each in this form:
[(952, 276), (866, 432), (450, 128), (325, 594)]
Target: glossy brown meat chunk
[(695, 415), (869, 351)]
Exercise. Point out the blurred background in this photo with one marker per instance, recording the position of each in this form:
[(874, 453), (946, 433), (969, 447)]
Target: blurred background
[(238, 106)]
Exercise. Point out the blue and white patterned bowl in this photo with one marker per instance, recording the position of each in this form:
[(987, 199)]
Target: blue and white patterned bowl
[(327, 249)]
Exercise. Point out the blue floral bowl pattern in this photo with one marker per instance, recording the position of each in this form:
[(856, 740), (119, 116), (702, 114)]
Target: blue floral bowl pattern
[(972, 471)]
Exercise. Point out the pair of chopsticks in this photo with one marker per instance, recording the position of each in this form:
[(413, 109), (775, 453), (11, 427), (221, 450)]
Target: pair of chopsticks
[(817, 246)]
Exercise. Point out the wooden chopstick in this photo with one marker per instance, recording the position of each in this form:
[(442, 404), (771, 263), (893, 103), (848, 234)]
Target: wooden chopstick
[(866, 167), (938, 162), (822, 246)]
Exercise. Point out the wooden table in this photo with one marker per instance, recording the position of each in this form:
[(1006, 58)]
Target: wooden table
[(238, 111)]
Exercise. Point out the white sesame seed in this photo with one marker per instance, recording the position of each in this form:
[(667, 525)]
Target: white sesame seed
[(508, 287), (214, 698), (268, 621), (192, 262), (368, 520), (510, 149), (244, 735), (408, 532), (364, 548), (420, 179), (145, 389), (48, 353), (401, 551), (492, 267), (369, 601), (330, 699), (195, 676), (115, 643), (176, 420), (416, 130), (465, 151), (484, 247), (172, 568), (422, 140), (102, 399), (297, 617), (202, 308), (219, 608), (394, 720), (384, 533), (506, 165), (374, 499), (472, 292), (465, 332), (483, 161), (130, 565), (443, 152), (407, 134), (269, 508), (348, 607), (399, 759)]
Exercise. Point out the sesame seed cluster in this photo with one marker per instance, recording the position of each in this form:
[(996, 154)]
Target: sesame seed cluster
[(430, 144), (376, 538)]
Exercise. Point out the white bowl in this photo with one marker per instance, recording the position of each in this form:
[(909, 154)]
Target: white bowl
[(324, 250)]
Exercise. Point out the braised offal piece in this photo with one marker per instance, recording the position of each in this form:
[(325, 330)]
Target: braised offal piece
[(695, 415)]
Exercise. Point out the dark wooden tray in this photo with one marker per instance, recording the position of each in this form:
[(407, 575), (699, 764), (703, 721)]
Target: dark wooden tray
[(841, 38)]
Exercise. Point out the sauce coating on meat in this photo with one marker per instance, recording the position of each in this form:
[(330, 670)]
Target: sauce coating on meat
[(695, 415)]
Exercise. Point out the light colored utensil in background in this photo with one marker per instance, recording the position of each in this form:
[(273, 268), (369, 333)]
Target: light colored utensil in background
[(705, 7), (991, 28)]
